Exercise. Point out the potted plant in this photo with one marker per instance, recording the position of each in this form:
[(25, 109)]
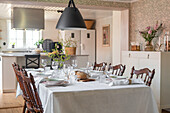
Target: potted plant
[(70, 46), (39, 42), (13, 45), (150, 33)]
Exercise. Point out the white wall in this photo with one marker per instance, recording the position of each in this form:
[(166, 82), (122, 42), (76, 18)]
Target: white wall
[(4, 33), (120, 35), (104, 54), (116, 51), (50, 31)]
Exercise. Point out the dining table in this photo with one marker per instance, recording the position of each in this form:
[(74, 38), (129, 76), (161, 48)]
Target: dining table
[(94, 97)]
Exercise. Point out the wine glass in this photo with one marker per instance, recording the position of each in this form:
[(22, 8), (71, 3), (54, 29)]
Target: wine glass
[(44, 63), (55, 65), (74, 63), (88, 65)]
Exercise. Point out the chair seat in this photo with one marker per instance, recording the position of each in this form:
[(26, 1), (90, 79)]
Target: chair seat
[(35, 67), (167, 110)]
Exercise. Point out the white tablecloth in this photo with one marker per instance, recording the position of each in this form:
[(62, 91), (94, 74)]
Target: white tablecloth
[(95, 97)]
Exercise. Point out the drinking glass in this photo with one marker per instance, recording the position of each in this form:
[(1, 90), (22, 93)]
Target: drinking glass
[(44, 63), (55, 65), (88, 65), (66, 70), (74, 63), (102, 78), (72, 78)]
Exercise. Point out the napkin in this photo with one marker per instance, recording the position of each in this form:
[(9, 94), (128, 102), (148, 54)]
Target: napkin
[(119, 82), (126, 82), (56, 83), (136, 81)]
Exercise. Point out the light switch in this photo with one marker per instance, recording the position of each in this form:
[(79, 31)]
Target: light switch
[(72, 35), (88, 35)]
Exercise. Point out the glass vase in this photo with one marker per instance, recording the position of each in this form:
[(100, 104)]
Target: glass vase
[(149, 46)]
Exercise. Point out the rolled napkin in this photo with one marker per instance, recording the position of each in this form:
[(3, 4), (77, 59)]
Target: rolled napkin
[(126, 82), (136, 81), (119, 82)]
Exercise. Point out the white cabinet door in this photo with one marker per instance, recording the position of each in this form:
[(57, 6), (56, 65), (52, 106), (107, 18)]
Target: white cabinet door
[(88, 44), (129, 59), (152, 61), (9, 78)]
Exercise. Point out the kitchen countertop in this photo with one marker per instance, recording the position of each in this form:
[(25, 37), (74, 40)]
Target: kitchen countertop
[(26, 53)]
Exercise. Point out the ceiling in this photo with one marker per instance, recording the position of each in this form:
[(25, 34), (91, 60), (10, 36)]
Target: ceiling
[(51, 12)]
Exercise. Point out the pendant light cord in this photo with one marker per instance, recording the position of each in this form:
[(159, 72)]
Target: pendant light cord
[(71, 2)]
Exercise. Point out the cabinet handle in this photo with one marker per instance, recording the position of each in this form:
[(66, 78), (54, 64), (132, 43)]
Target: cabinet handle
[(148, 56), (129, 55)]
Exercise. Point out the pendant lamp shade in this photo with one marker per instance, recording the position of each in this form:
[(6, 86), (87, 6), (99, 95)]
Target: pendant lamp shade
[(71, 19)]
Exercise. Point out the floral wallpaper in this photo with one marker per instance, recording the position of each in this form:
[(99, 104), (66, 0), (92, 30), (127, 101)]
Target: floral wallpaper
[(116, 5), (145, 13)]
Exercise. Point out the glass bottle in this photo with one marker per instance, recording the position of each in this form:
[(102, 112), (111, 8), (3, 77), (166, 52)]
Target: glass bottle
[(166, 41)]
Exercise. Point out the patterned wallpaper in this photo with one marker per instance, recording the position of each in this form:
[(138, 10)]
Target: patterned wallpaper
[(146, 12), (84, 2)]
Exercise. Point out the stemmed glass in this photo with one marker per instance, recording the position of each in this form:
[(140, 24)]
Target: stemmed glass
[(55, 65), (74, 63), (88, 67), (44, 63), (66, 70)]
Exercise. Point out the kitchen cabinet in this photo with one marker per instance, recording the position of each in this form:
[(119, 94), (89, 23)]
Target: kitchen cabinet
[(88, 44), (7, 75), (153, 60)]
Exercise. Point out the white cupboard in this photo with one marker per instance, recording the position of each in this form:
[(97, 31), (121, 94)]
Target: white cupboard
[(88, 44), (160, 61), (7, 75)]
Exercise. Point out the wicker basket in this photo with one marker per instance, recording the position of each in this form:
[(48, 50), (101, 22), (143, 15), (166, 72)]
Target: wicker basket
[(89, 23), (70, 50)]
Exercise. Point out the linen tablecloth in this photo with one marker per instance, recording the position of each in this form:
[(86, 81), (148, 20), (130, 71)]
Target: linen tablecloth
[(95, 97)]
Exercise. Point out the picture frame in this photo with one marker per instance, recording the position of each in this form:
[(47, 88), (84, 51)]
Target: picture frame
[(106, 36)]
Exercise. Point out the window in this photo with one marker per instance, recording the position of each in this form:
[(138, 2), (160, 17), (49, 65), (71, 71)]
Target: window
[(23, 38)]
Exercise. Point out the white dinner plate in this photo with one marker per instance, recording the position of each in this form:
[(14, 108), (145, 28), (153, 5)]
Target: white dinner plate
[(44, 74), (36, 70)]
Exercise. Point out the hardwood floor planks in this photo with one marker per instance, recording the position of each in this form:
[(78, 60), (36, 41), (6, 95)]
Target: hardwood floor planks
[(10, 104)]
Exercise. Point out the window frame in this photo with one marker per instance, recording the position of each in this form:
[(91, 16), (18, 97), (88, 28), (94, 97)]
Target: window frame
[(24, 37)]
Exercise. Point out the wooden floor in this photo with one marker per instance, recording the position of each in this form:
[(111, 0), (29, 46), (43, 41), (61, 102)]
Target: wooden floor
[(10, 104)]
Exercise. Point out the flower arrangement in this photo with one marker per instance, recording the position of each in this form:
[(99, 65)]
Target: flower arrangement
[(58, 56), (152, 32)]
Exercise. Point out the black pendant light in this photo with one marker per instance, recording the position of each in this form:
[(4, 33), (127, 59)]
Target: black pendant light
[(71, 18)]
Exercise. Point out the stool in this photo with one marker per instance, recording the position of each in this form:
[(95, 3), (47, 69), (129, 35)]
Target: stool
[(32, 61), (166, 110)]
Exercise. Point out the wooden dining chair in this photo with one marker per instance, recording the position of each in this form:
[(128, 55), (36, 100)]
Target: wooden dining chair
[(145, 74), (17, 70), (33, 101), (117, 69), (100, 66)]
